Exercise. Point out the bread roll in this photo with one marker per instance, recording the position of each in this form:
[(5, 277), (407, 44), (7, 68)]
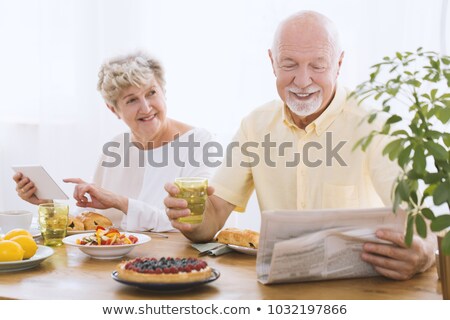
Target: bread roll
[(93, 219), (244, 238), (75, 224)]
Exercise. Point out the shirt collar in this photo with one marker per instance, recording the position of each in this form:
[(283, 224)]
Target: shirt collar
[(326, 118)]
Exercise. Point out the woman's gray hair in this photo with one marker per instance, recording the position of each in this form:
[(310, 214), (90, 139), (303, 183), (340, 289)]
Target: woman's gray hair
[(120, 73)]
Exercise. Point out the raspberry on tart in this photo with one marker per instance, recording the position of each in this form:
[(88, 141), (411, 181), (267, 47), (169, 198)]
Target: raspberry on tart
[(164, 270)]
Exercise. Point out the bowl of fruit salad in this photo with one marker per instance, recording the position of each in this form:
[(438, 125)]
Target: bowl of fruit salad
[(107, 243)]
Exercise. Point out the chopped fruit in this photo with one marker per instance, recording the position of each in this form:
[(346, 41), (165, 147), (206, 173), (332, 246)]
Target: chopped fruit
[(107, 237)]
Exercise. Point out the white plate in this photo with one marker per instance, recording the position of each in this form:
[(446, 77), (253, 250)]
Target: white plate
[(246, 250), (106, 252), (42, 253), (35, 232)]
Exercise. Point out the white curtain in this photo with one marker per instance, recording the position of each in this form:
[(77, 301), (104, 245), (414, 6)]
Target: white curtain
[(214, 52)]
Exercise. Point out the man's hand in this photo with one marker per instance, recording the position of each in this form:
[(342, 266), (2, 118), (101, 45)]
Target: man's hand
[(26, 189), (397, 261), (216, 214), (100, 198), (177, 208)]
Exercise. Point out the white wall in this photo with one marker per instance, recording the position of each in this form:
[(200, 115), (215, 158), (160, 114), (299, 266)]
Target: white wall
[(215, 54)]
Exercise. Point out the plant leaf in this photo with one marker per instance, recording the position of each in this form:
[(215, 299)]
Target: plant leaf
[(440, 223), (409, 230), (372, 117), (441, 194), (393, 146), (403, 190), (429, 191), (414, 175), (432, 177), (414, 82), (433, 94), (393, 119), (397, 199), (365, 144), (427, 213), (446, 138), (399, 132), (443, 114), (419, 160), (436, 150), (404, 156), (433, 134), (357, 144), (421, 226)]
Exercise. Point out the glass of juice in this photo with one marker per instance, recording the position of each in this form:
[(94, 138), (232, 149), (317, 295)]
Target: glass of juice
[(53, 219), (193, 190)]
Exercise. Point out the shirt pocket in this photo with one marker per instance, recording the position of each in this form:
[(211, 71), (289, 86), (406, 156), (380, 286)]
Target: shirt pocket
[(339, 196)]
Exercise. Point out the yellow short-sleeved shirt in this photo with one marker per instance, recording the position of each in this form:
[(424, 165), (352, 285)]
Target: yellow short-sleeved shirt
[(314, 168)]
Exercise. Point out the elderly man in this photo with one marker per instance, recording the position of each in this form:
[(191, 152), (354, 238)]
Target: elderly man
[(314, 120)]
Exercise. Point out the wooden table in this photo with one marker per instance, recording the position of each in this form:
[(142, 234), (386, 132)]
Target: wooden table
[(70, 274)]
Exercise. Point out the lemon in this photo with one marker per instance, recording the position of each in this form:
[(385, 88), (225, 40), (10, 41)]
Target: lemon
[(17, 232), (27, 244), (10, 251)]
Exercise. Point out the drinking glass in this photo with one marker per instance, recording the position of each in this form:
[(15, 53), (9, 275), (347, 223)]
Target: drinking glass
[(193, 190), (53, 219)]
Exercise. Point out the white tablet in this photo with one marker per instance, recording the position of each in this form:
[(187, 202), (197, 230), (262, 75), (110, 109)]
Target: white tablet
[(47, 188)]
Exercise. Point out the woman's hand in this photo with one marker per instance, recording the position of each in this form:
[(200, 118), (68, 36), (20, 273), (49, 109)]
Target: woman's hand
[(398, 261), (26, 189), (100, 198)]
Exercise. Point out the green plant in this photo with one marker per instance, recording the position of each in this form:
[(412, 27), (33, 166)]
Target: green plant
[(418, 81)]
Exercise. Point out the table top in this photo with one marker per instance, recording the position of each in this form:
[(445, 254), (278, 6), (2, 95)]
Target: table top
[(70, 274)]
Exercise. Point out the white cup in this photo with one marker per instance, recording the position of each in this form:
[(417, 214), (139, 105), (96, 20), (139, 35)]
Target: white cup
[(15, 219)]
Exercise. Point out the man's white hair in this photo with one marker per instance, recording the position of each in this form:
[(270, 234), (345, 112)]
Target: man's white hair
[(310, 21)]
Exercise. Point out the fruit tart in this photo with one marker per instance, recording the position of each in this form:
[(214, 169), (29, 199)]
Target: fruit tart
[(164, 270)]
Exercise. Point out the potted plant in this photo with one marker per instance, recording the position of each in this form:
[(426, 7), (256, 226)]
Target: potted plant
[(419, 83)]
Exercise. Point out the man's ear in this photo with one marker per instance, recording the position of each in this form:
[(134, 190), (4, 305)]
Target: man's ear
[(113, 110), (272, 61)]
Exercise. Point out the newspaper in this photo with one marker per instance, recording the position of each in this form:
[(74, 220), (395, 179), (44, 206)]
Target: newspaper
[(298, 246)]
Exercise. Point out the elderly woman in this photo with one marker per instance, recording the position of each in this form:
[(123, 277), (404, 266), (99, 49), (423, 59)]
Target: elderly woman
[(128, 183)]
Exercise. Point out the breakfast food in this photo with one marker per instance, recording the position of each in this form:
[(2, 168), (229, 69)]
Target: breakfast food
[(18, 244), (75, 224), (10, 251), (238, 237), (164, 270), (28, 245), (93, 219), (17, 232), (107, 237)]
